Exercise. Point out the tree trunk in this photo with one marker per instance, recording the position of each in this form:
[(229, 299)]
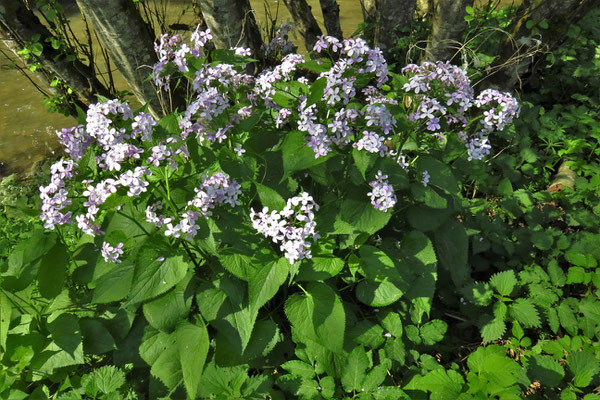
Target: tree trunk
[(331, 17), (20, 26), (128, 41), (391, 18), (369, 11), (447, 27), (303, 16), (231, 23), (519, 50)]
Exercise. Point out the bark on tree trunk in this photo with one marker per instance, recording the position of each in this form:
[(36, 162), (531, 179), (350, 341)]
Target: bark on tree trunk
[(448, 25), (388, 18), (303, 16), (126, 37), (331, 17), (19, 25), (392, 17), (369, 10), (231, 23), (519, 50)]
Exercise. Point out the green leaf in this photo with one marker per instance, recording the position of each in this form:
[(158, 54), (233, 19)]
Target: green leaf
[(525, 313), (236, 263), (553, 320), (426, 219), (265, 336), (269, 197), (154, 276), (557, 276), (114, 285), (441, 383), (168, 309), (96, 338), (51, 274), (567, 318), (227, 309), (355, 370), (318, 313), (546, 370), (505, 187), (440, 174), (167, 368), (192, 344), (358, 215), (284, 99), (66, 333), (504, 282), (376, 376), (327, 387), (452, 245), (367, 333), (379, 267), (492, 329), (5, 313), (265, 282), (377, 294), (478, 293), (584, 366), (428, 196), (107, 379), (319, 268), (297, 155), (391, 322), (363, 160), (575, 275), (299, 368), (66, 348), (433, 331), (317, 88)]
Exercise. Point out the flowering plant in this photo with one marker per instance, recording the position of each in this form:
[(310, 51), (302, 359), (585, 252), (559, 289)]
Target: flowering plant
[(347, 163)]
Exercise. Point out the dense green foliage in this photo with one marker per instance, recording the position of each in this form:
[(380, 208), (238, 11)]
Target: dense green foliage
[(478, 284)]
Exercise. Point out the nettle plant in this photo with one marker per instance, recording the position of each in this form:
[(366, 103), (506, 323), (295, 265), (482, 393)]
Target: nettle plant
[(282, 234)]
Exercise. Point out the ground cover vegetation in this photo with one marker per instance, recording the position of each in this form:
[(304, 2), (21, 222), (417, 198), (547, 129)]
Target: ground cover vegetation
[(331, 227)]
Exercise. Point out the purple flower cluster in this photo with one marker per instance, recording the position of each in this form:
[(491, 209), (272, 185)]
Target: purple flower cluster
[(443, 91), (143, 124), (100, 126), (174, 49), (263, 86), (223, 74), (132, 179), (54, 196), (111, 160), (478, 145), (372, 142), (444, 96), (280, 43), (501, 109), (317, 138), (291, 227), (208, 104), (382, 193), (214, 190), (75, 141), (110, 253)]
